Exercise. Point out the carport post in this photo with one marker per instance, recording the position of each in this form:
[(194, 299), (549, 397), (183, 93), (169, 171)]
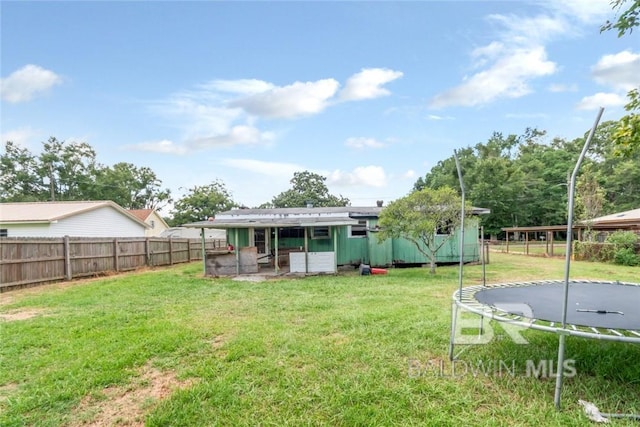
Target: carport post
[(204, 255)]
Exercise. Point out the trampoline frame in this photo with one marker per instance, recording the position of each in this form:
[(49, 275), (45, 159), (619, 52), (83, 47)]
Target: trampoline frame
[(565, 329), (465, 299)]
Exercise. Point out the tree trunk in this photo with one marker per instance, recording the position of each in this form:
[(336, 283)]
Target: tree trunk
[(433, 264)]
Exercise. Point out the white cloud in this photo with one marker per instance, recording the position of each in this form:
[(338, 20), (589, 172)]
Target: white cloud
[(273, 169), (591, 11), (297, 99), (507, 65), (529, 31), (363, 143), (368, 176), (237, 135), (601, 99), (197, 116), (508, 77), (225, 112), (435, 117), (26, 83), (560, 87), (620, 70), (410, 174), (20, 137), (241, 86), (165, 146), (368, 83)]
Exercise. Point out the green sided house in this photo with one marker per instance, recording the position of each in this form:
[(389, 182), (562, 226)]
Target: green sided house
[(319, 240)]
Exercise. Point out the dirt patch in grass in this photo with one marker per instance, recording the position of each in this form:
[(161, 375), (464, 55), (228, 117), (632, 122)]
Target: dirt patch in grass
[(6, 390), (128, 405), (217, 342), (25, 314)]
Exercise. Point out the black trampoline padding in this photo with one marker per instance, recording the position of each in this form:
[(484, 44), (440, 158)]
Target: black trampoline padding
[(591, 304)]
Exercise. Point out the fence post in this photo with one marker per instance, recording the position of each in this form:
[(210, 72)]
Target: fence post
[(188, 250), (170, 251), (67, 259), (147, 255), (116, 255)]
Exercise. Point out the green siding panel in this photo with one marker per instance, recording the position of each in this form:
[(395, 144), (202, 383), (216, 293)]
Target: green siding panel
[(369, 250)]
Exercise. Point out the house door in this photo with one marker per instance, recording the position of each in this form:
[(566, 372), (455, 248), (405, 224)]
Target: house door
[(261, 242)]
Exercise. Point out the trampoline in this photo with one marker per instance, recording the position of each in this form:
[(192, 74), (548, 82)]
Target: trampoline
[(595, 309), (590, 309)]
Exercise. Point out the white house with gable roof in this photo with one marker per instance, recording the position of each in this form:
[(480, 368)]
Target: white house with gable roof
[(75, 219)]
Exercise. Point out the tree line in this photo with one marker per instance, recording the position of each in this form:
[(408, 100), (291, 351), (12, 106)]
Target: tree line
[(524, 181), (521, 178), (69, 171)]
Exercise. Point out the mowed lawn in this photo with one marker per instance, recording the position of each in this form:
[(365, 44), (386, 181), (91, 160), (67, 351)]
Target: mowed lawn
[(170, 347)]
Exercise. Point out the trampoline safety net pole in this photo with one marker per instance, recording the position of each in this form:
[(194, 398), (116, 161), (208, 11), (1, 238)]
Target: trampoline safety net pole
[(563, 336), (454, 314)]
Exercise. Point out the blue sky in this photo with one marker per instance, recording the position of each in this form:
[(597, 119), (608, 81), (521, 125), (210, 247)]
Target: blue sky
[(370, 95)]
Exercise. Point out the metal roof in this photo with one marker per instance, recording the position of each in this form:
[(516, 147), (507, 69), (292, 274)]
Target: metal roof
[(348, 210), (626, 216), (47, 212), (626, 219), (295, 217), (273, 222)]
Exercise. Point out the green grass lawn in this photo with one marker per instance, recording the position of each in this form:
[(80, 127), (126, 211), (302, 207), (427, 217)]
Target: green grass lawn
[(169, 347)]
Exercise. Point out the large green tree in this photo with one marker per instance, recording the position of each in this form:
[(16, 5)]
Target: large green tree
[(65, 171), (130, 186), (68, 167), (19, 180), (202, 202), (627, 135), (417, 217), (307, 188)]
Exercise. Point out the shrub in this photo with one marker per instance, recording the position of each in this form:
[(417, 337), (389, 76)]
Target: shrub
[(624, 247), (620, 247), (623, 239), (593, 251), (626, 256)]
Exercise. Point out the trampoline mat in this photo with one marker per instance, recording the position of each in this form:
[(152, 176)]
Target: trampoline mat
[(544, 301)]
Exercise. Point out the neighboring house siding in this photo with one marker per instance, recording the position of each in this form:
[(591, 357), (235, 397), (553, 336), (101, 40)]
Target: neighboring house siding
[(101, 222), (156, 225), (27, 230)]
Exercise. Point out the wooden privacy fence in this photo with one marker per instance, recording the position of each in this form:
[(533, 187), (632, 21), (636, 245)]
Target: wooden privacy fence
[(28, 261)]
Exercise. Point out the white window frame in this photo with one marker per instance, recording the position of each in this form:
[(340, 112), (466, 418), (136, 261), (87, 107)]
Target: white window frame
[(322, 235), (363, 224)]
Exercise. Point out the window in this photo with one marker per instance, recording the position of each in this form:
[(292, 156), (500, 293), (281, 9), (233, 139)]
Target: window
[(446, 228), (359, 230), (4, 232), (153, 224), (292, 232), (320, 232)]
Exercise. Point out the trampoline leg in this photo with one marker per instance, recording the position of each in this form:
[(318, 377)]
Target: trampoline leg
[(560, 370), (454, 316)]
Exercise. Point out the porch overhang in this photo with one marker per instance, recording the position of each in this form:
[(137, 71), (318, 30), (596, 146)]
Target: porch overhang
[(273, 222)]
